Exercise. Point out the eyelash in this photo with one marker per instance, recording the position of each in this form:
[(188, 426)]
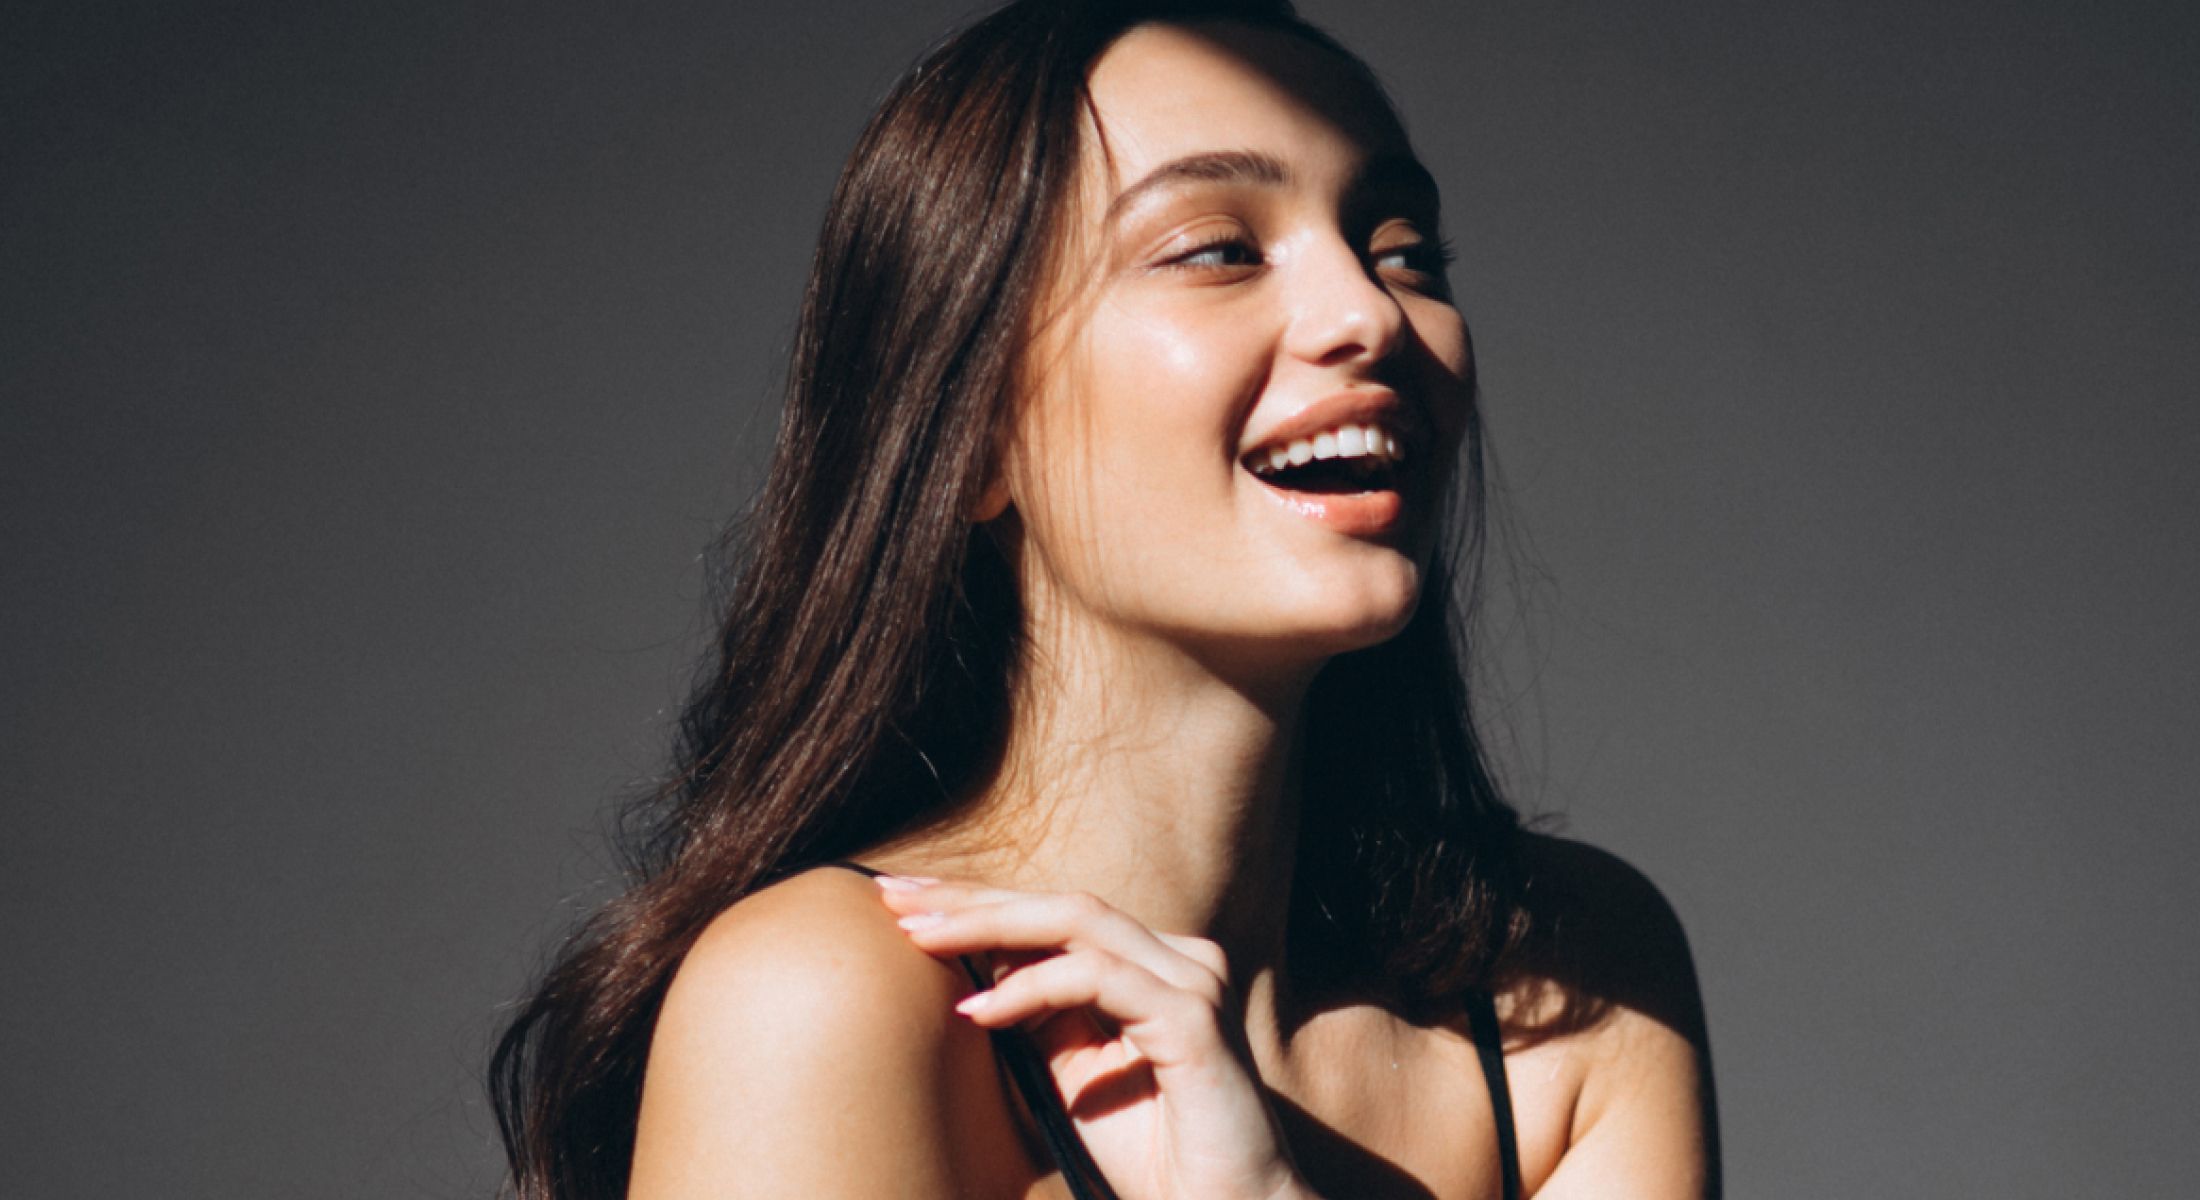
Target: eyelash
[(1184, 261), (1429, 258), (1425, 258)]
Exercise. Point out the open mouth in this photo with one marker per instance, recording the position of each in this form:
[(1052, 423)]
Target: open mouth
[(1350, 458)]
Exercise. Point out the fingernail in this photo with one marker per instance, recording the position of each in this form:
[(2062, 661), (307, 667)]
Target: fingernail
[(895, 883), (921, 921), (972, 1003)]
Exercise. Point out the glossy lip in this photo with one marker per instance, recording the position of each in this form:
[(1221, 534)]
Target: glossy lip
[(1358, 514)]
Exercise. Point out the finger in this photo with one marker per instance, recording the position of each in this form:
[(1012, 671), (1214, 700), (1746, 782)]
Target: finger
[(910, 893), (1078, 1055), (1068, 923), (1200, 950), (1076, 1035), (1167, 1025), (919, 897)]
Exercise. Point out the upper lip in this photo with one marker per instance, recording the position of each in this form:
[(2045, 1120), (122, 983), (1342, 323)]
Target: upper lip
[(1380, 407)]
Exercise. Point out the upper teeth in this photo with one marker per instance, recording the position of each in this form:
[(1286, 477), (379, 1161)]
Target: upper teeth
[(1345, 441)]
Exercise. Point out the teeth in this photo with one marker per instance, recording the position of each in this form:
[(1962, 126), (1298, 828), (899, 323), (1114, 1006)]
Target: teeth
[(1345, 441)]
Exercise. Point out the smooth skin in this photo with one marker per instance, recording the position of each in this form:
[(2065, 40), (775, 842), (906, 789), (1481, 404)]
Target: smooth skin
[(1127, 872)]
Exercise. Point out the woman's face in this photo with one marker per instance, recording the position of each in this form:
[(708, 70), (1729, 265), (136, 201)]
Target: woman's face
[(1244, 413)]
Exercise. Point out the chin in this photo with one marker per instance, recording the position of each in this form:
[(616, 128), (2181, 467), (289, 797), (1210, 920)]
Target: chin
[(1341, 616)]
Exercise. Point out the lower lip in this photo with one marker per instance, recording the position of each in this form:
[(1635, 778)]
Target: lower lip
[(1358, 514)]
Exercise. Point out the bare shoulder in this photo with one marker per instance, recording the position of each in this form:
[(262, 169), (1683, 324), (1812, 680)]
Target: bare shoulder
[(1604, 990), (817, 947), (806, 1047)]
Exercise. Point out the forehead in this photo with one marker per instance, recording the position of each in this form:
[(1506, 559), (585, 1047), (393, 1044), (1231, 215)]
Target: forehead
[(1163, 92)]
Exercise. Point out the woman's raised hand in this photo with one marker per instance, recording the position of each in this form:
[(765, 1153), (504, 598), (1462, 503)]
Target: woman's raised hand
[(1139, 1029)]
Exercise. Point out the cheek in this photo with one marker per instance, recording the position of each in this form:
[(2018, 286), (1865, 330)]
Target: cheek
[(1126, 458), (1196, 363), (1442, 331), (1168, 398), (1146, 349), (1156, 391), (1445, 366)]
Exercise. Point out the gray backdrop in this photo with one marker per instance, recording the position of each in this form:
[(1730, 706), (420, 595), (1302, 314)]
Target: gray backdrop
[(375, 378)]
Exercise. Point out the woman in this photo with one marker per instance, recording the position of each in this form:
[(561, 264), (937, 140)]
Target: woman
[(1097, 605)]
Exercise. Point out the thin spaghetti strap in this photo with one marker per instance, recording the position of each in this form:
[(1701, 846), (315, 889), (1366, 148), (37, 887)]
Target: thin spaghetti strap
[(1489, 1046), (1017, 1054)]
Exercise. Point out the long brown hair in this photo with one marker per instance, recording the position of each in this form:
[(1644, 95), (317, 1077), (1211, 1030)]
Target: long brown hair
[(861, 682)]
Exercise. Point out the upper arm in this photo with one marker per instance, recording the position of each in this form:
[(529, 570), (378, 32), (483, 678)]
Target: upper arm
[(805, 1048), (1644, 1125)]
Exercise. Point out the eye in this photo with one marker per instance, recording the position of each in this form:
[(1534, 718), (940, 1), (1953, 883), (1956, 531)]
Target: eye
[(1420, 264), (1226, 253)]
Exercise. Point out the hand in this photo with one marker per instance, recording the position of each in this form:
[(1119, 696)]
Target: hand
[(1138, 1028)]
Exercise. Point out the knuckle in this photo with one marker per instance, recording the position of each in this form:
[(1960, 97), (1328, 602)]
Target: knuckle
[(1210, 955), (1080, 972)]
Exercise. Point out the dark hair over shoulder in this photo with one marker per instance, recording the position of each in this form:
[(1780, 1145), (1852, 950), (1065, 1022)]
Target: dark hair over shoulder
[(862, 678)]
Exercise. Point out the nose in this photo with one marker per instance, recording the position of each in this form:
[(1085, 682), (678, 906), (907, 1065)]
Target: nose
[(1340, 313)]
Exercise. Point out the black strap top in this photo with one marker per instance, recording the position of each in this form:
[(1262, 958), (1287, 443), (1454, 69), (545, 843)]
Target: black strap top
[(1033, 1081)]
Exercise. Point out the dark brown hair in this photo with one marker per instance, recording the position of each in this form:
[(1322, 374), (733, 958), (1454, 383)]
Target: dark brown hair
[(862, 678)]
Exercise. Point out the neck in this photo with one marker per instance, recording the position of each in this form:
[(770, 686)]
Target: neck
[(1146, 776)]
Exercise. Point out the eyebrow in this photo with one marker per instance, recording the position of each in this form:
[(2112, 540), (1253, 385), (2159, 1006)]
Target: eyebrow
[(1219, 166), (1384, 173)]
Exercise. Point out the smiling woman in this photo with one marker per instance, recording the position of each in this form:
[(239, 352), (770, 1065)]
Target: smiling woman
[(1262, 285), (1098, 607)]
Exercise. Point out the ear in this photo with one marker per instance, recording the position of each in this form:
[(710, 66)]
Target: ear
[(993, 501)]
